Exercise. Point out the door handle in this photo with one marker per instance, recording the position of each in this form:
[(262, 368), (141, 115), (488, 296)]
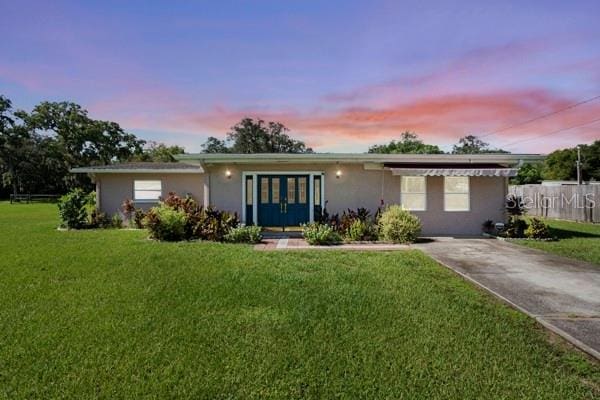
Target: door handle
[(281, 206), (285, 207)]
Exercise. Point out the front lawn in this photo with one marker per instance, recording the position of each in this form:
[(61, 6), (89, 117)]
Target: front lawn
[(576, 240), (110, 314)]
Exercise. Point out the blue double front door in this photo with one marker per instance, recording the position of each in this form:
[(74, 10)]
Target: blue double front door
[(283, 200)]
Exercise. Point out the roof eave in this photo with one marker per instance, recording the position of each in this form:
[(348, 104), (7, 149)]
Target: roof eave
[(268, 158), (135, 171)]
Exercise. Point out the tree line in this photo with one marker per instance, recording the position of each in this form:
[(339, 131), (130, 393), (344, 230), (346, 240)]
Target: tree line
[(38, 148)]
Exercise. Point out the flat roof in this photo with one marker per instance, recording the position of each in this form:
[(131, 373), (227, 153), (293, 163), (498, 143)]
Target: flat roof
[(268, 158), (142, 168)]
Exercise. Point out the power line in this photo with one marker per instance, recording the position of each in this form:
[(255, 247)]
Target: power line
[(540, 117), (552, 133)]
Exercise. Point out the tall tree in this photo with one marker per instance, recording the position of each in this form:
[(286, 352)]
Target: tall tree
[(16, 145), (590, 155), (85, 141), (5, 112), (38, 149), (528, 174), (80, 140), (471, 144), (215, 145), (562, 164), (158, 152), (256, 136), (409, 143)]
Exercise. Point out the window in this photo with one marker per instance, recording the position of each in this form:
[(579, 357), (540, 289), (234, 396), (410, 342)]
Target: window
[(302, 190), (413, 194), (317, 190), (147, 190), (456, 193), (291, 190), (264, 190), (275, 191), (249, 191)]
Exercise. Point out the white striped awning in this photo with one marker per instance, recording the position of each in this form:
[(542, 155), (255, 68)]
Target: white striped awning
[(504, 172)]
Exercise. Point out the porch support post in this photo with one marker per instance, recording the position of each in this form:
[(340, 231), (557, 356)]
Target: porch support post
[(322, 191), (243, 197), (311, 198), (98, 193), (255, 199), (207, 190)]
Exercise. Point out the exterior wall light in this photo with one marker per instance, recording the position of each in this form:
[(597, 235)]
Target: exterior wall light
[(228, 173), (338, 173)]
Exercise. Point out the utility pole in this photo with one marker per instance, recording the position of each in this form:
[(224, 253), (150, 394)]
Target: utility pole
[(578, 165)]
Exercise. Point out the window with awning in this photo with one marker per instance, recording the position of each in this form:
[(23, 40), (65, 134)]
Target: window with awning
[(456, 193), (413, 194)]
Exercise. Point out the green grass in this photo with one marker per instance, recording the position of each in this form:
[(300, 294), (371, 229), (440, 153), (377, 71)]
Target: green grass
[(110, 314), (576, 240)]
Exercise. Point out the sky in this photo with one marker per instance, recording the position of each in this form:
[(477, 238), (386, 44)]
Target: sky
[(341, 75)]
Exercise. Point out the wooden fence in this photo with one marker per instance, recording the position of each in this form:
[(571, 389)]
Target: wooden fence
[(28, 198), (571, 202)]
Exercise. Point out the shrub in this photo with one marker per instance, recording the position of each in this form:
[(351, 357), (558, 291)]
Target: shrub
[(515, 205), (320, 234), (138, 218), (214, 224), (99, 219), (116, 221), (515, 228), (488, 226), (244, 234), (399, 225), (166, 223), (348, 217), (537, 229), (361, 230), (75, 209), (134, 217), (198, 222), (128, 209)]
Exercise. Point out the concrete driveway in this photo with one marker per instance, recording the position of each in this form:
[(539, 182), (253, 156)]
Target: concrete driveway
[(562, 294)]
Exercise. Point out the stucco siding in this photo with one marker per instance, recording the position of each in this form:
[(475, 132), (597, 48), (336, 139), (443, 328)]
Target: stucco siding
[(356, 187), (115, 188), (487, 197)]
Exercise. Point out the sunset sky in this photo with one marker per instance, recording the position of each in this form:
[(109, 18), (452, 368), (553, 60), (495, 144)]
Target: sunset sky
[(342, 75)]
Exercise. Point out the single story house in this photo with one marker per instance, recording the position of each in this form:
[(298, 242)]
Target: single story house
[(451, 194)]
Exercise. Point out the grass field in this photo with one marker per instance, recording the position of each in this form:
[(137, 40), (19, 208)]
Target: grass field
[(576, 240), (110, 314)]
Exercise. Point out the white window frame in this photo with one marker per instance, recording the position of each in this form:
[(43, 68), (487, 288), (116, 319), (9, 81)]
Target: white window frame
[(424, 193), (135, 199), (468, 193)]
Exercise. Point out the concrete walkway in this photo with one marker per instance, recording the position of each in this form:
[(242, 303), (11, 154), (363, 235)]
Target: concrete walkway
[(291, 243), (562, 294)]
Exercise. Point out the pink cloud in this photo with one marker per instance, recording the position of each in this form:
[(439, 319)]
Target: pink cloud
[(474, 71), (470, 95), (33, 79), (439, 120)]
